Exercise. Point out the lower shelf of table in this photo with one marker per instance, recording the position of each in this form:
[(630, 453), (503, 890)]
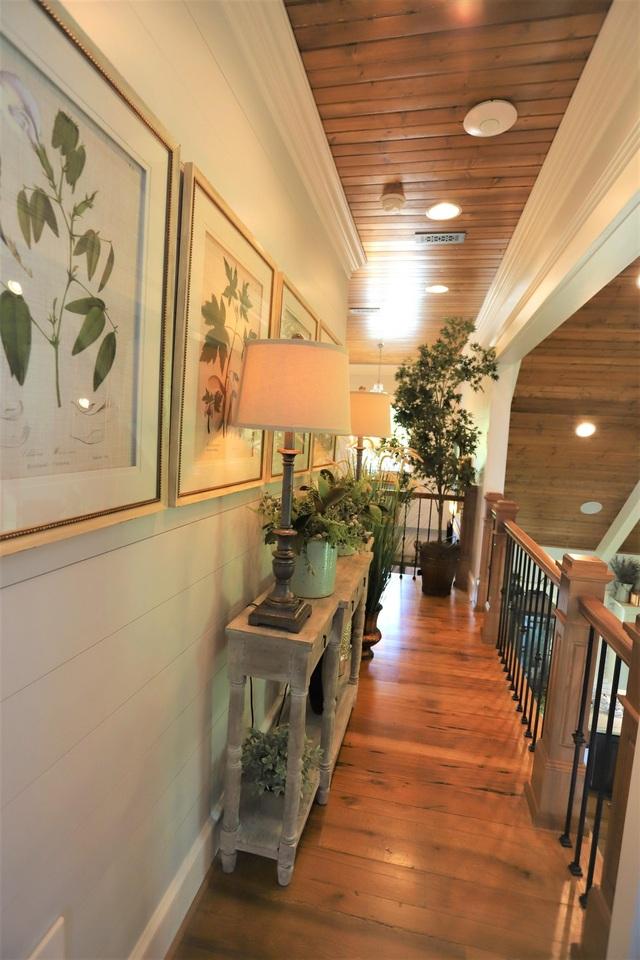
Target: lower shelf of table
[(261, 815)]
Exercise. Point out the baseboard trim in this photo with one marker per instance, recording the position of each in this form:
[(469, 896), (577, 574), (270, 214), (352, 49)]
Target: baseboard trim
[(165, 922)]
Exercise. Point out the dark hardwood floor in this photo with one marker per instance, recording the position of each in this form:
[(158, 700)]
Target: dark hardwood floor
[(425, 849)]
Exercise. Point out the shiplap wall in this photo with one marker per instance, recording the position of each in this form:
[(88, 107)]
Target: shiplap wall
[(113, 665)]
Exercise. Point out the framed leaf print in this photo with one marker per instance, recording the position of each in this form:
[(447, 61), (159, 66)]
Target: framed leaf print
[(324, 444), (88, 212), (295, 320), (225, 294)]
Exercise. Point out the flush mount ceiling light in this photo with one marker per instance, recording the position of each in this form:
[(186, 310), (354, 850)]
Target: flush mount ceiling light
[(591, 506), (437, 288), (490, 118), (444, 211), (585, 429), (393, 199)]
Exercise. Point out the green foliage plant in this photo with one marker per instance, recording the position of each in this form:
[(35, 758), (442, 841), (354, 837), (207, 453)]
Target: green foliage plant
[(264, 760), (51, 205), (626, 570), (428, 405)]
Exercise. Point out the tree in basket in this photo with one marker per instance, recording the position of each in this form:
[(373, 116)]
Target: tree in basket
[(428, 404)]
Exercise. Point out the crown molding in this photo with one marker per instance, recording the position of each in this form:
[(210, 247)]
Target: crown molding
[(263, 33), (589, 178)]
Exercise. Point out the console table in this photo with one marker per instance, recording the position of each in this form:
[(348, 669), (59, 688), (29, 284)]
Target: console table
[(267, 825)]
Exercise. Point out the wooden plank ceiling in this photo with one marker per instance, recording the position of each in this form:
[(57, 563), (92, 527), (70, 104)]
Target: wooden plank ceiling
[(393, 80), (588, 369)]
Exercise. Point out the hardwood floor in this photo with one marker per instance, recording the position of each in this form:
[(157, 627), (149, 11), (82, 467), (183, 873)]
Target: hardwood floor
[(425, 849)]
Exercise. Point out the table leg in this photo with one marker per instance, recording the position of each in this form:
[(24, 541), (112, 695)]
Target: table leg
[(295, 748), (330, 663), (233, 775), (357, 632)]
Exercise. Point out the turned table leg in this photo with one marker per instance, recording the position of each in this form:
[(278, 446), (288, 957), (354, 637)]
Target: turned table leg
[(233, 775), (330, 663), (295, 748), (356, 639)]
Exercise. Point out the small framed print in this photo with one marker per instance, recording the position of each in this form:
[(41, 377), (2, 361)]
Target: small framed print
[(86, 301), (295, 320), (225, 296)]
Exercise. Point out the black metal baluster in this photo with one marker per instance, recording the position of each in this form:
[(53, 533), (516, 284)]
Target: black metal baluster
[(536, 681), (515, 631), (574, 866), (404, 535), (504, 596), (523, 637), (578, 739), (547, 650), (602, 782), (430, 519), (513, 601), (415, 558), (546, 663), (527, 710)]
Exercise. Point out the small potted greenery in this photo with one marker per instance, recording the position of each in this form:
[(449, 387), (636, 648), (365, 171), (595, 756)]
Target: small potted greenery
[(319, 534), (264, 760), (428, 404), (627, 573)]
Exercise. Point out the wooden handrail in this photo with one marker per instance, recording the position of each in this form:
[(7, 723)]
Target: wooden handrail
[(546, 563), (428, 495), (608, 626)]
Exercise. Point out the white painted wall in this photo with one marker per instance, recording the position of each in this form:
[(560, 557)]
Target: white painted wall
[(114, 688)]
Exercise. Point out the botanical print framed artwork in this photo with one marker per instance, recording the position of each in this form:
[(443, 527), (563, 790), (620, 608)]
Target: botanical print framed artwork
[(225, 293), (324, 444), (295, 320), (87, 214)]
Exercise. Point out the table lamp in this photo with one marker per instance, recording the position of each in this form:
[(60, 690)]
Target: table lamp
[(298, 386), (370, 417)]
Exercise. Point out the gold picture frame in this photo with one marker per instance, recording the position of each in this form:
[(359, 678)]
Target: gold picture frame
[(85, 399)]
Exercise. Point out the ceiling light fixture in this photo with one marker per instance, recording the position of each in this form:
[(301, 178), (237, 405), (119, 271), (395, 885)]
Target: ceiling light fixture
[(490, 118), (444, 211), (14, 287), (393, 199), (591, 506), (585, 429), (437, 288), (379, 386)]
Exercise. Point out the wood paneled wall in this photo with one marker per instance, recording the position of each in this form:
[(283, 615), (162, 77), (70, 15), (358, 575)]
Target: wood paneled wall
[(588, 369)]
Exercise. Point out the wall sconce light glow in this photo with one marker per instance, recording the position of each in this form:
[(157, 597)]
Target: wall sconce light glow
[(444, 211), (84, 403), (585, 429), (437, 288), (591, 506), (15, 287)]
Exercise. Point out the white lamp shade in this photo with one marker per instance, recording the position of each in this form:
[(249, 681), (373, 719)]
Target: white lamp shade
[(295, 385), (370, 414)]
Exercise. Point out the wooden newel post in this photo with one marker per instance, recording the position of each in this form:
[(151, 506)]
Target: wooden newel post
[(485, 551), (597, 921), (502, 511), (548, 790)]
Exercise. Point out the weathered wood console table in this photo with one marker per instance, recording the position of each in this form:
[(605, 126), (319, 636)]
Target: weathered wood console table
[(271, 826)]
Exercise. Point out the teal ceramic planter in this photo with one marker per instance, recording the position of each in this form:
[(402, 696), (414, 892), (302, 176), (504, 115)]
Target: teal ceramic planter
[(315, 573)]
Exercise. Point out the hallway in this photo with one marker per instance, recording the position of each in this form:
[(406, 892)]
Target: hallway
[(425, 849)]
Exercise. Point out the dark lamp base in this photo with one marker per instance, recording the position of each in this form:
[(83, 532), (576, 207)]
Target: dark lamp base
[(290, 618)]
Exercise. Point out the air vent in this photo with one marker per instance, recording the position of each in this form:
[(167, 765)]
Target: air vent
[(363, 309), (438, 239)]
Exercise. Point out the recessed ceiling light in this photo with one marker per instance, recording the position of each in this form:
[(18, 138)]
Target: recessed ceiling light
[(638, 280), (393, 199), (585, 429), (591, 506), (444, 211), (490, 118), (436, 288)]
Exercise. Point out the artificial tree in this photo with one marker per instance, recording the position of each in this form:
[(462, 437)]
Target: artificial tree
[(428, 404)]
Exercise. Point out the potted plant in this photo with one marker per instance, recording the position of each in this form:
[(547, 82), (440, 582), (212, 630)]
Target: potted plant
[(627, 573), (264, 760), (319, 533), (428, 404)]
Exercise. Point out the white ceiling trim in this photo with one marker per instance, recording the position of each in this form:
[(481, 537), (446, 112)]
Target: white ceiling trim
[(263, 32), (589, 178)]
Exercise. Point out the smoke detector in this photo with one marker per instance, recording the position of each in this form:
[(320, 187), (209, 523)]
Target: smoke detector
[(393, 199), (490, 118)]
